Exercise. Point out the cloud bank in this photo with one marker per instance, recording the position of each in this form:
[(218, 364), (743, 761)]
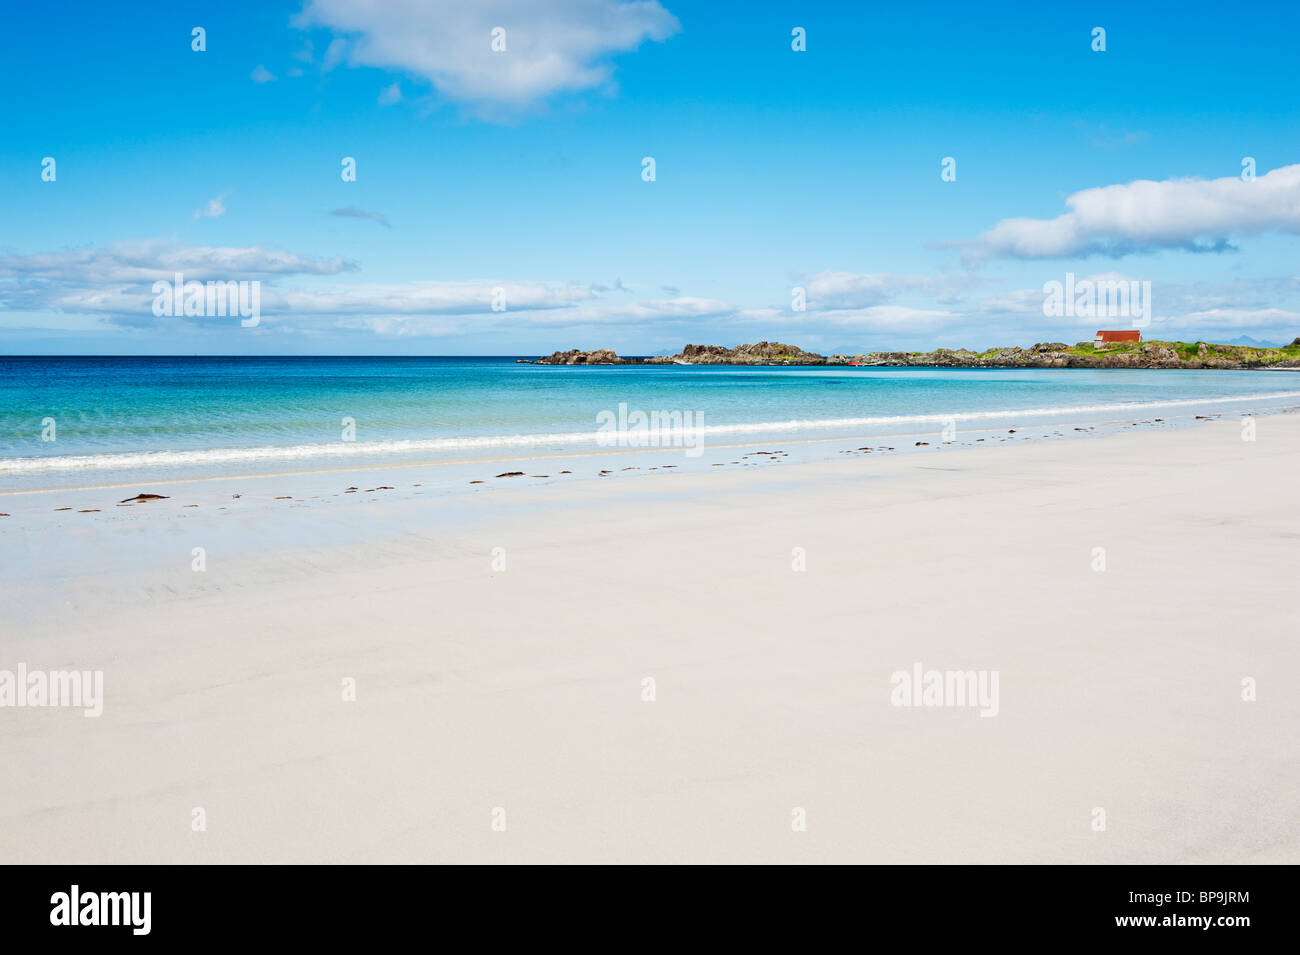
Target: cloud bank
[(1197, 215)]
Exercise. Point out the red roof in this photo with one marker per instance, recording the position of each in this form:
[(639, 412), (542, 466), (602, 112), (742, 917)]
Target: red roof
[(1121, 335)]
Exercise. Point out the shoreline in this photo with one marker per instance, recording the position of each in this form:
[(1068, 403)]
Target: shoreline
[(618, 458), (396, 453)]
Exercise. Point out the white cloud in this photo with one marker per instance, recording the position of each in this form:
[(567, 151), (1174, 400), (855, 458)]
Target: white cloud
[(552, 46), (1234, 318), (841, 299), (145, 262), (430, 298), (211, 209), (306, 295), (885, 317), (1144, 216), (262, 75), (116, 281), (846, 290), (1026, 302), (116, 284), (681, 306), (390, 94), (1176, 311), (529, 305), (449, 308), (830, 289), (334, 54)]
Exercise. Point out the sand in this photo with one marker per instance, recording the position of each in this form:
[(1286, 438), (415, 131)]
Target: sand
[(515, 697)]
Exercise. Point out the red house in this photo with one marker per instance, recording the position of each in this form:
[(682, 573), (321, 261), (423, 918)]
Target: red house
[(1123, 335)]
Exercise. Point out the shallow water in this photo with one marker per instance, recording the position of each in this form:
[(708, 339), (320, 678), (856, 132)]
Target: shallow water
[(165, 418)]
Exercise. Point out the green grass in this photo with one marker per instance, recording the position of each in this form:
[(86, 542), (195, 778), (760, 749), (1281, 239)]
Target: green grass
[(1186, 351), (1191, 351)]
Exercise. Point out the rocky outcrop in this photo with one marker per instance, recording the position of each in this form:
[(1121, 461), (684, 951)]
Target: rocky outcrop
[(760, 353), (1144, 355), (574, 356), (1153, 354)]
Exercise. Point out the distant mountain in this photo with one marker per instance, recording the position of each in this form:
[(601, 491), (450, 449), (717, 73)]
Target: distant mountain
[(1252, 342)]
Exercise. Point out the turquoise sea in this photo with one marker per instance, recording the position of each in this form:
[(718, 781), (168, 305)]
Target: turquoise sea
[(157, 418)]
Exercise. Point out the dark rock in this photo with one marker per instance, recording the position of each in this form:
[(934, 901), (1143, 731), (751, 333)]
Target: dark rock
[(575, 356), (760, 353)]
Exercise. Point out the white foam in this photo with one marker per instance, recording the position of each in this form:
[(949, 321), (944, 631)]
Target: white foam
[(673, 436)]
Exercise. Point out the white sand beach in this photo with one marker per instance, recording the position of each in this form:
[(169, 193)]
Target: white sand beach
[(521, 689)]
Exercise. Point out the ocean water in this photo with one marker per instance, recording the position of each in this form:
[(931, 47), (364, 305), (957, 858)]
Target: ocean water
[(160, 418)]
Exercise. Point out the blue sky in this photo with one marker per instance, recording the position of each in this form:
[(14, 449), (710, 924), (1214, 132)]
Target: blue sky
[(521, 170)]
